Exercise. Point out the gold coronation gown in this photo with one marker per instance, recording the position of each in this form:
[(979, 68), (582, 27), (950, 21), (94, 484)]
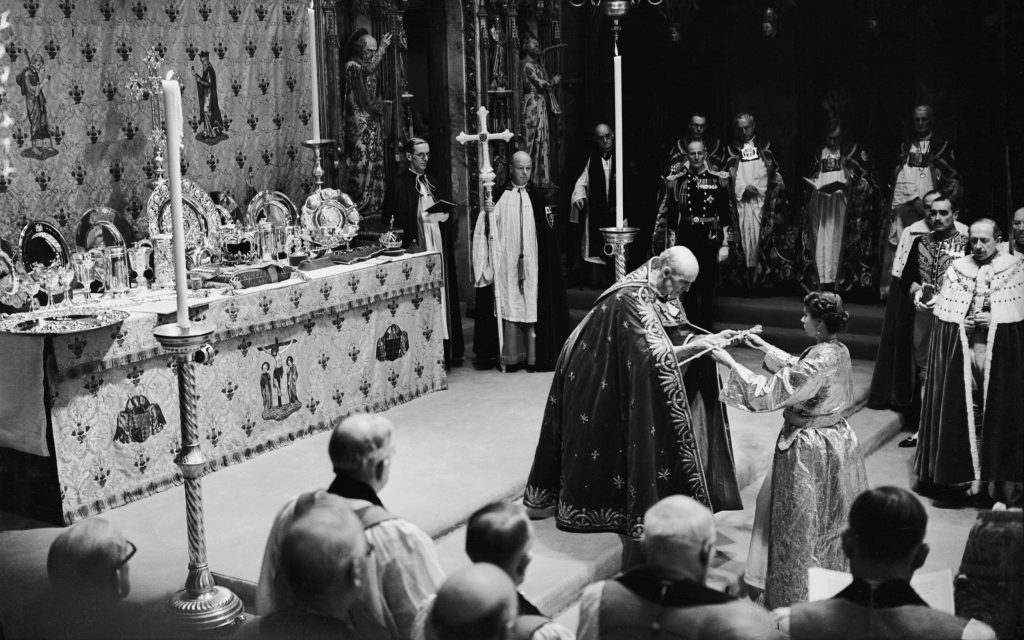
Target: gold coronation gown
[(817, 469)]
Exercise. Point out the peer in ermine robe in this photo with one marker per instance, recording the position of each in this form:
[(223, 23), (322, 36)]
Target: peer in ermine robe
[(817, 470), (971, 437), (624, 425)]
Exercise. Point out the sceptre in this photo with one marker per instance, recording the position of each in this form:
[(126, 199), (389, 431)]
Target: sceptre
[(739, 337)]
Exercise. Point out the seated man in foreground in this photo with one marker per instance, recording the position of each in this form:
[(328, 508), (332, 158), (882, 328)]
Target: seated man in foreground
[(885, 545), (628, 419), (667, 595), (403, 571)]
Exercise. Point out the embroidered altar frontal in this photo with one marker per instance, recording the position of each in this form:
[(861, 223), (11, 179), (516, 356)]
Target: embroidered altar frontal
[(292, 359)]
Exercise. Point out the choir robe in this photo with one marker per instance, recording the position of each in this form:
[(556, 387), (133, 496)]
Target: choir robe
[(624, 426), (551, 310), (840, 228), (817, 470), (953, 449), (402, 201)]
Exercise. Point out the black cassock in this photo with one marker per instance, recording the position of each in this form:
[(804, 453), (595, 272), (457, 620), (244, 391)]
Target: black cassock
[(552, 309), (402, 201)]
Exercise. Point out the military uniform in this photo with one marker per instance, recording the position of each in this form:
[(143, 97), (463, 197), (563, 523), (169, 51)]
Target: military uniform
[(695, 214)]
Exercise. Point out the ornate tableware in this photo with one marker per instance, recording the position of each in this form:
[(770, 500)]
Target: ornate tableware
[(238, 246), (41, 243), (202, 221), (12, 291), (329, 216), (43, 323), (273, 207), (96, 229)]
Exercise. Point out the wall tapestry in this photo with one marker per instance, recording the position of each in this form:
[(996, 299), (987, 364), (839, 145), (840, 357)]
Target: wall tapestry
[(81, 125)]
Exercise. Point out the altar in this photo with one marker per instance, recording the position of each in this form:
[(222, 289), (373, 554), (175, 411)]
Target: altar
[(291, 358)]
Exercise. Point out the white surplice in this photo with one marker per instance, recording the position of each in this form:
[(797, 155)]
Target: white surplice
[(751, 171)]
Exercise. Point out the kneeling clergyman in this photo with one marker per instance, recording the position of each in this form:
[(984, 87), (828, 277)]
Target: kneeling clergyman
[(625, 424)]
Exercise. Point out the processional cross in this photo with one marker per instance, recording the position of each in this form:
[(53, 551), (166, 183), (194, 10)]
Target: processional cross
[(483, 137)]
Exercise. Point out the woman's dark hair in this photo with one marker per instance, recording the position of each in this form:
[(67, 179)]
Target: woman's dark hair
[(827, 307)]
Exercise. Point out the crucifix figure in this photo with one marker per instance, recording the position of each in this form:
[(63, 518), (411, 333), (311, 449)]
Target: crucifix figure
[(275, 350), (484, 242)]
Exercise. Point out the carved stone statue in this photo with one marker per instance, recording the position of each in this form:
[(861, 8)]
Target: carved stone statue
[(538, 99), (364, 139)]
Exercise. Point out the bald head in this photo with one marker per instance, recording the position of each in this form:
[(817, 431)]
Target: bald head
[(604, 137), (322, 551), (475, 603), (679, 534), (682, 262), (87, 563), (360, 447), (522, 168), (1018, 228)]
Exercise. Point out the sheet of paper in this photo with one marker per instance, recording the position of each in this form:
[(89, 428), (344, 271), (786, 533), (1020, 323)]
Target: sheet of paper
[(934, 587)]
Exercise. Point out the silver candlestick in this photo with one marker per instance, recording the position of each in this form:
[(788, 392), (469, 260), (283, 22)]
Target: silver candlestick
[(201, 605), (318, 170), (616, 239)]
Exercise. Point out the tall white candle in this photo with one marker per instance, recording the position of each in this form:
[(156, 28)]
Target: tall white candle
[(620, 161), (172, 112), (314, 82)]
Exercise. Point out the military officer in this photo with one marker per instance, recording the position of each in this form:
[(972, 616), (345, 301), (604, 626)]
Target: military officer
[(696, 213)]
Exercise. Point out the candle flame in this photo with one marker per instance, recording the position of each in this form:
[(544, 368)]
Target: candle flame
[(170, 74)]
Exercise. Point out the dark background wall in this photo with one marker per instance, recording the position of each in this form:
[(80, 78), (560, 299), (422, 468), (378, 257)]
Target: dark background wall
[(947, 53)]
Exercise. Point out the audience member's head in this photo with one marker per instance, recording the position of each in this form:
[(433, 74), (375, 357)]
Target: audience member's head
[(885, 537), (501, 534), (1018, 228), (323, 551), (679, 537), (88, 564), (360, 448), (476, 603)]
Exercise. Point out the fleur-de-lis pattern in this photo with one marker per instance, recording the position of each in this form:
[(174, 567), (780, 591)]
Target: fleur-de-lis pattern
[(89, 49), (94, 385)]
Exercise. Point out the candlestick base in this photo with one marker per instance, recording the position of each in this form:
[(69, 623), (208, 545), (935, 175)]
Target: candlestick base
[(616, 239)]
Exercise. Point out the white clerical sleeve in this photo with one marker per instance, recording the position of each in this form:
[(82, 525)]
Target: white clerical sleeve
[(409, 568), (590, 612), (483, 261), (582, 186)]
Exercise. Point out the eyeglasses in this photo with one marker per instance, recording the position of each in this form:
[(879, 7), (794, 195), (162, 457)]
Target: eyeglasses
[(128, 557), (423, 155)]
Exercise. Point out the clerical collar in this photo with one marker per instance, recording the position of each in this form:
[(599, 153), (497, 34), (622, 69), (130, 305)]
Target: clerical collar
[(647, 583), (348, 487), (886, 595), (606, 156), (418, 175), (517, 187)]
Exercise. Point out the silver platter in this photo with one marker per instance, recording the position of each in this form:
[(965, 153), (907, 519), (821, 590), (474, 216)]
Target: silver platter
[(273, 207), (199, 213), (50, 323)]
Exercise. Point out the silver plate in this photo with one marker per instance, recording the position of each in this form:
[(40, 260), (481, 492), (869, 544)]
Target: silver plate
[(198, 211), (96, 228), (42, 243), (49, 323), (273, 207)]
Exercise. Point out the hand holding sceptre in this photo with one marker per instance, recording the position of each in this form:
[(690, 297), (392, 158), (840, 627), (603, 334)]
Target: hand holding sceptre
[(717, 341)]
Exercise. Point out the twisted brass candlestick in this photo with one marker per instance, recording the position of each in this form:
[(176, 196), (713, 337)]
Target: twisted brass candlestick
[(201, 605)]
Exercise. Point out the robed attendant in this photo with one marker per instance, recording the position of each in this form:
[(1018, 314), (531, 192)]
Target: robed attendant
[(593, 200), (624, 424), (970, 438), (758, 191), (841, 214), (411, 193), (515, 250), (906, 332)]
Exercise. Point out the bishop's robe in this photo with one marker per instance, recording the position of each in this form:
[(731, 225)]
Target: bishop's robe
[(542, 299), (959, 445), (624, 425)]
